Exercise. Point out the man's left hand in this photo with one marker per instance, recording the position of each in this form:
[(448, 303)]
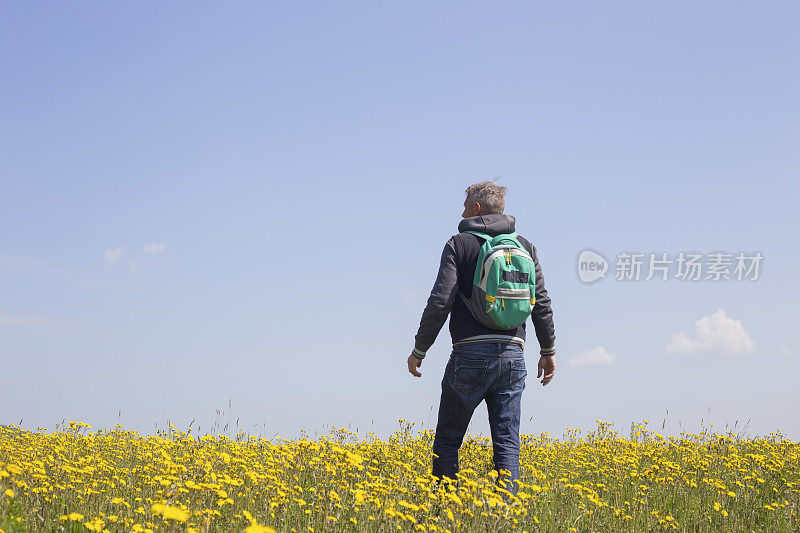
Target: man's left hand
[(413, 364), (547, 366)]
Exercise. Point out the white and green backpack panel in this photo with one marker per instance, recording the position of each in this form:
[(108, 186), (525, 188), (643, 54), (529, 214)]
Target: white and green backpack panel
[(504, 287)]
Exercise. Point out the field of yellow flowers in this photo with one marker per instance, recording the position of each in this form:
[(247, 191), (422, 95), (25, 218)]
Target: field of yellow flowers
[(75, 479)]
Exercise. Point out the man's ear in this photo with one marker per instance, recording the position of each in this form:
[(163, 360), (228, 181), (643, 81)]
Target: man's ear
[(478, 209)]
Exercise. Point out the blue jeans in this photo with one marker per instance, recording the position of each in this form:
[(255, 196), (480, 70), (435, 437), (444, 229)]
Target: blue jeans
[(494, 372)]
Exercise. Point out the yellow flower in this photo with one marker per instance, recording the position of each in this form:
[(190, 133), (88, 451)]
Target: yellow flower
[(453, 498), (170, 513), (9, 493), (408, 505)]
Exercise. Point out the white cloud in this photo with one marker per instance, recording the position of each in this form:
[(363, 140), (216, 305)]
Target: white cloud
[(715, 334), (114, 255), (16, 322), (593, 357), (155, 248)]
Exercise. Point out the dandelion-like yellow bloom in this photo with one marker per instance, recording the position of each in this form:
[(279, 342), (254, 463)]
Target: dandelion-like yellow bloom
[(120, 481)]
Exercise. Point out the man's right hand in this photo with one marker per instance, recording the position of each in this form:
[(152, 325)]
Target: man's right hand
[(547, 366), (413, 364)]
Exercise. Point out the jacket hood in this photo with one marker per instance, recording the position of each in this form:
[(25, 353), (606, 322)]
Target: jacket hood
[(489, 224)]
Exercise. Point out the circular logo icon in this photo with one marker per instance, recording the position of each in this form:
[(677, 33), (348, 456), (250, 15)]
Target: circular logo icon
[(591, 266)]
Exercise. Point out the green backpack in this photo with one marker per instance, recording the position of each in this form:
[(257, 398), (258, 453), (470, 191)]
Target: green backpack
[(504, 287)]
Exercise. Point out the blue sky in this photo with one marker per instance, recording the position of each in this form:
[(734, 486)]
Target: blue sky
[(246, 204)]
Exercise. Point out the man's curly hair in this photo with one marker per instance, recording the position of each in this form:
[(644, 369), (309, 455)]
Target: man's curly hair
[(490, 195)]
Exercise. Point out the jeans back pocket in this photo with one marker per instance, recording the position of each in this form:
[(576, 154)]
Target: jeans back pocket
[(517, 374), (469, 375)]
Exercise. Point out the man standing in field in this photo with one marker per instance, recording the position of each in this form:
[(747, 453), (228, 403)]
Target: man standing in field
[(487, 325)]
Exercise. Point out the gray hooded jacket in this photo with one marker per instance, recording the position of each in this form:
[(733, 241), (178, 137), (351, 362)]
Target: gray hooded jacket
[(456, 272)]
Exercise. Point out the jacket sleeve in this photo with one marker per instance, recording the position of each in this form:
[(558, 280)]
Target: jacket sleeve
[(542, 314), (441, 300)]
